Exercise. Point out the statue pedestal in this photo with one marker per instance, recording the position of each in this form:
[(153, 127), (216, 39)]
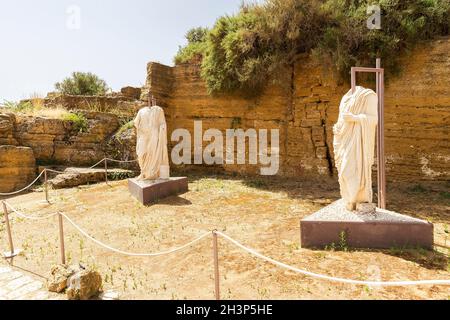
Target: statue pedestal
[(382, 229), (150, 191)]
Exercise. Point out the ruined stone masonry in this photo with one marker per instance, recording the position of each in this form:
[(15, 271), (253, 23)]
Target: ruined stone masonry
[(304, 107), (417, 113)]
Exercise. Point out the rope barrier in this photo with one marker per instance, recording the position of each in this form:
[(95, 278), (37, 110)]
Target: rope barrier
[(121, 161), (241, 246), (95, 165), (131, 253), (24, 216), (60, 172), (26, 188), (56, 171), (333, 279), (84, 233)]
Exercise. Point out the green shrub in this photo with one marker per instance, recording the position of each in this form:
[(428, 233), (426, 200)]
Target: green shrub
[(347, 41), (242, 51), (82, 84), (79, 121), (195, 47)]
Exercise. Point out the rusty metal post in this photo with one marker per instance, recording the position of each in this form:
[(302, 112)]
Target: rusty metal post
[(353, 79), (61, 239), (106, 170), (216, 266), (46, 185), (381, 165), (8, 230), (383, 159)]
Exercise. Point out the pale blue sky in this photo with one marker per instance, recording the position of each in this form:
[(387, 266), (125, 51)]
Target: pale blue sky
[(116, 39)]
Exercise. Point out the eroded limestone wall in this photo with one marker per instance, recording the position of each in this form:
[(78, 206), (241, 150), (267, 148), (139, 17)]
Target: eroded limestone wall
[(304, 107), (17, 167), (57, 141)]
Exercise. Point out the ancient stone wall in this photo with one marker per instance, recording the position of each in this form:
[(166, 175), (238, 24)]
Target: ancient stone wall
[(57, 141), (17, 167), (126, 103), (304, 107)]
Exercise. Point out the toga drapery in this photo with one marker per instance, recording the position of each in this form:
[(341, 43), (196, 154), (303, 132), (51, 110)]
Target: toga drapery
[(354, 144), (151, 145)]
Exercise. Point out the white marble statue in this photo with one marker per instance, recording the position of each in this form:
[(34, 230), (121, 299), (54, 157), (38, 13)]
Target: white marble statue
[(151, 147), (354, 147)]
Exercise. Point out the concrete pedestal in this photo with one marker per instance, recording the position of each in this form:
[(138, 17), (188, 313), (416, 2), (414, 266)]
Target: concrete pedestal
[(150, 191), (380, 229)]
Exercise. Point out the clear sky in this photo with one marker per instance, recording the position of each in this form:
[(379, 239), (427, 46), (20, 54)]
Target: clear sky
[(44, 41)]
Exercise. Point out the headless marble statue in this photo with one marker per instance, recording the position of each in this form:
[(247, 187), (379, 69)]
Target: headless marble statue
[(354, 146), (151, 147)]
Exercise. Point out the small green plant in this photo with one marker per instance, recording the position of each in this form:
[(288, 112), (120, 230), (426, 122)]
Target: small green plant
[(257, 183), (343, 241), (236, 123), (79, 121), (22, 106), (341, 245), (397, 251), (126, 126), (81, 246), (120, 175), (445, 195), (446, 232), (418, 188)]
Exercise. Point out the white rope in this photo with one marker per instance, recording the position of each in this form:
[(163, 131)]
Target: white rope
[(26, 188), (104, 159), (324, 277), (121, 161), (238, 244), (20, 214), (131, 253), (101, 243), (56, 171)]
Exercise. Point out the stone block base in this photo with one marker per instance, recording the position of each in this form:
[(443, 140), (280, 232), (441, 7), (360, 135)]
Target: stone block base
[(150, 191), (381, 229)]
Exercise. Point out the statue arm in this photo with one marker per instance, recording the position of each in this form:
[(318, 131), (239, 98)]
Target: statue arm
[(371, 111)]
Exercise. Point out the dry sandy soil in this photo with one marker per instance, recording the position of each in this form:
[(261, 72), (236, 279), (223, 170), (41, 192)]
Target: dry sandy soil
[(261, 213)]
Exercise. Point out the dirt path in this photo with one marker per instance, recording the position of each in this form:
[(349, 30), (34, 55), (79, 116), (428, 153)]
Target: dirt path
[(263, 214)]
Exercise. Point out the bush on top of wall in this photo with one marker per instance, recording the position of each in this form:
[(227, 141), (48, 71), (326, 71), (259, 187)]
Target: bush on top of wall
[(243, 50)]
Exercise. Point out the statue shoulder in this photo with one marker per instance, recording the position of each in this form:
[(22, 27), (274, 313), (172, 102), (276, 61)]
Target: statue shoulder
[(157, 108)]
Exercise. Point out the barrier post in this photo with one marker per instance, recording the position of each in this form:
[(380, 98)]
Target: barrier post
[(106, 170), (61, 239), (216, 265), (12, 253), (46, 185)]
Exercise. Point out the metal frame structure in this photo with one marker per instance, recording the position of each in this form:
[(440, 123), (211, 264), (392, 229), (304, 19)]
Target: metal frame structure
[(381, 160)]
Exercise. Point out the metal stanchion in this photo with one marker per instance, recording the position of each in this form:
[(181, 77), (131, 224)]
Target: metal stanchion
[(12, 253), (381, 165), (46, 185), (106, 170), (61, 239), (216, 265)]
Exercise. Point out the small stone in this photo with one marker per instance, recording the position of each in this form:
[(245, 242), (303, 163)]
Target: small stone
[(83, 285), (109, 295), (366, 208), (59, 275)]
